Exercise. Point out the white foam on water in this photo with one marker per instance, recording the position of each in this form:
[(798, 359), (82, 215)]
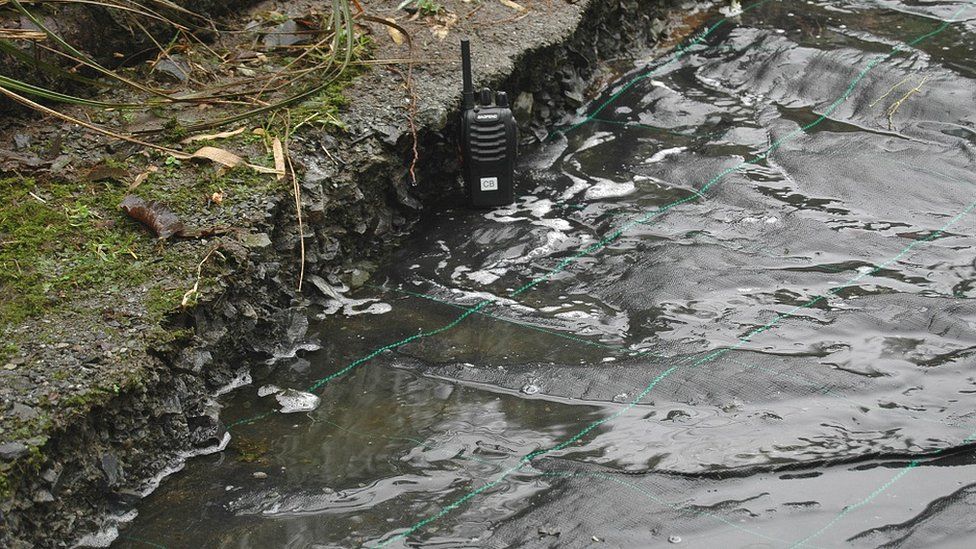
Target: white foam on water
[(292, 352), (482, 296), (598, 138), (266, 390), (109, 531), (379, 308), (553, 240), (557, 225), (458, 271), (609, 189), (538, 207), (337, 301), (664, 153), (293, 401), (579, 185), (573, 315), (484, 277)]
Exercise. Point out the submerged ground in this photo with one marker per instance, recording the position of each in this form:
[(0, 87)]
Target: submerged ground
[(733, 306)]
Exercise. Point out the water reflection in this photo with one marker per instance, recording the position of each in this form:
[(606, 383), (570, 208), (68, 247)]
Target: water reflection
[(806, 324)]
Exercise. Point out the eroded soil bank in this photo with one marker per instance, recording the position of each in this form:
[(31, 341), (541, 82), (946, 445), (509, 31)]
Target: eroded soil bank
[(111, 389)]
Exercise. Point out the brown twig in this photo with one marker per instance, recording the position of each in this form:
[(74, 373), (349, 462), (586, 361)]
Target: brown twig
[(297, 191)]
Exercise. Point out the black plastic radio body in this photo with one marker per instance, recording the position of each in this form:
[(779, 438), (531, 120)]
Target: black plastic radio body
[(489, 143)]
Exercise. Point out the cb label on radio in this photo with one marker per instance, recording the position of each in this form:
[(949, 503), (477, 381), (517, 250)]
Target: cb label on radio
[(489, 183)]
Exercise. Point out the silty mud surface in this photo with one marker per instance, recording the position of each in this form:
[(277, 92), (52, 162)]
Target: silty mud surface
[(733, 306)]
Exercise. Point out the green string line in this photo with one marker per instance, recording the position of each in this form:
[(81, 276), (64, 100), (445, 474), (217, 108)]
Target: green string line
[(641, 125), (481, 305), (650, 386), (742, 341), (871, 497), (248, 420), (715, 180), (619, 232), (675, 57), (614, 348), (820, 388)]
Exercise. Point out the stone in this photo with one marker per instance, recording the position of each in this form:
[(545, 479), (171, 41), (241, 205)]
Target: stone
[(256, 241), (23, 412), (260, 474), (10, 451), (193, 360), (51, 475), (110, 466), (42, 496)]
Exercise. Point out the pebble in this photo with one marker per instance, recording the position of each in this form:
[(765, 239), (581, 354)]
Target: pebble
[(674, 539), (530, 389), (292, 401), (260, 474)]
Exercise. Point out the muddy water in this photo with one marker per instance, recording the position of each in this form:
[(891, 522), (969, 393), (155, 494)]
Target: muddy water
[(777, 350)]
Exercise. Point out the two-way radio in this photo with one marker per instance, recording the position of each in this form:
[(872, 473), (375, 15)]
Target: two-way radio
[(489, 142)]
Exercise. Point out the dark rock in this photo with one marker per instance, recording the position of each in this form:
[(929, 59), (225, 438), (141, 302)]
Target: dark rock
[(193, 360), (42, 496), (51, 475), (206, 429), (112, 469), (23, 412), (10, 451)]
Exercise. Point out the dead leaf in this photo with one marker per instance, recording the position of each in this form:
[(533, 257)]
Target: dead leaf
[(279, 158), (22, 34), (443, 24), (142, 177), (221, 135), (220, 156), (396, 35), (514, 5), (217, 197), (154, 215)]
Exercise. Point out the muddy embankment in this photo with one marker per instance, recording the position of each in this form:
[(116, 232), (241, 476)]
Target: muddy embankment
[(71, 481)]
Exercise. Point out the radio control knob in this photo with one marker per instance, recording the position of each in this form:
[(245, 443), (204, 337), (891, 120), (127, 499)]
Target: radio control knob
[(486, 97), (501, 99)]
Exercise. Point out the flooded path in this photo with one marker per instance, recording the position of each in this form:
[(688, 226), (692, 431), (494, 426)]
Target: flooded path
[(734, 306)]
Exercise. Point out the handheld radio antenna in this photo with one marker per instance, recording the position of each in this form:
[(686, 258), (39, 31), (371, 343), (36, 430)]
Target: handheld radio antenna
[(468, 89)]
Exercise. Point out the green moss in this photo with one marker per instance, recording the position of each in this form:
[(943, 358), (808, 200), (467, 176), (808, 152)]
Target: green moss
[(8, 350), (62, 240), (160, 301), (6, 490)]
